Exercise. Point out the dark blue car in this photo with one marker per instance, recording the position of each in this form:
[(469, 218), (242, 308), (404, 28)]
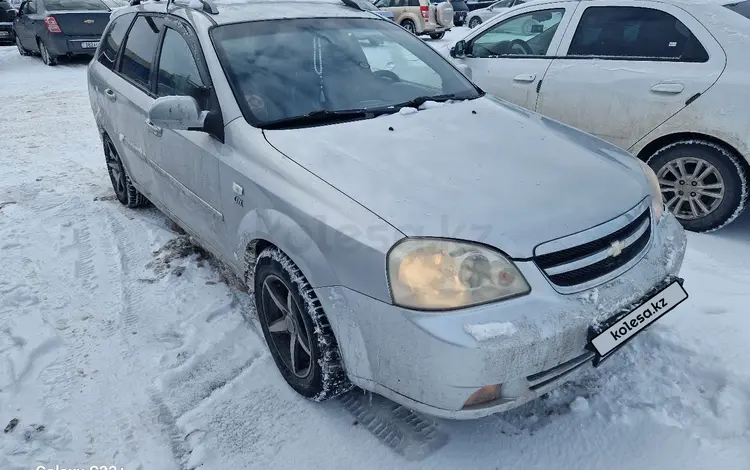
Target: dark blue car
[(55, 28), (6, 23)]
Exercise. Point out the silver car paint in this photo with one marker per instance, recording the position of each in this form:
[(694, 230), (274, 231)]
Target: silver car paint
[(339, 233)]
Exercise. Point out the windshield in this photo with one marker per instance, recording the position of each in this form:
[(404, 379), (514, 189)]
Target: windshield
[(71, 5), (743, 8), (283, 69)]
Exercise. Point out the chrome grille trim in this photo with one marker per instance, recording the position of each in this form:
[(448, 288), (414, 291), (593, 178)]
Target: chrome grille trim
[(582, 260), (599, 256), (600, 231)]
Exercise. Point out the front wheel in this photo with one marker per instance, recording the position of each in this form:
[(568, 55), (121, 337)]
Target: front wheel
[(296, 329), (437, 35), (703, 184), (21, 50), (474, 22)]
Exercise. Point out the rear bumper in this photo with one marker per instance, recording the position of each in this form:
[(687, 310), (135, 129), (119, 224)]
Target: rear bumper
[(58, 44), (6, 32)]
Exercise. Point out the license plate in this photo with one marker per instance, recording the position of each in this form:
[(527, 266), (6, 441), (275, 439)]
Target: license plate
[(90, 45), (627, 327)]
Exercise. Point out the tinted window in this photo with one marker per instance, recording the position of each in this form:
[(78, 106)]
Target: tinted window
[(87, 5), (178, 71), (113, 39), (528, 34), (743, 8), (635, 32), (140, 49), (413, 3)]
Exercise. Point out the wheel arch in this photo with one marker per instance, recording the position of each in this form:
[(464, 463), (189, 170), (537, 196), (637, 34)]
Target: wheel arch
[(668, 139)]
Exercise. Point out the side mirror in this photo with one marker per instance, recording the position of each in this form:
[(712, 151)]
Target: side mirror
[(179, 113), (465, 69), (459, 50)]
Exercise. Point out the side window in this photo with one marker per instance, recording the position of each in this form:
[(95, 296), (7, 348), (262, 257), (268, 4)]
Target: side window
[(178, 71), (30, 8), (140, 49), (635, 33), (383, 3), (113, 39), (414, 3), (528, 34)]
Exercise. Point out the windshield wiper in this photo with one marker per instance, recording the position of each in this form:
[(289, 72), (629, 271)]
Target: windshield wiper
[(322, 116), (420, 100)]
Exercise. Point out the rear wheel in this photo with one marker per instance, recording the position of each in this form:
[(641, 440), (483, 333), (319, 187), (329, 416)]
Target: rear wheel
[(703, 184), (296, 329), (22, 50), (437, 35), (474, 22), (125, 191), (47, 58), (409, 26)]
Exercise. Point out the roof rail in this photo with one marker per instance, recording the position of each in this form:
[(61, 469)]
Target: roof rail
[(206, 5)]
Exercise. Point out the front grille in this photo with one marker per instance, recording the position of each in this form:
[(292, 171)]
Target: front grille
[(593, 260)]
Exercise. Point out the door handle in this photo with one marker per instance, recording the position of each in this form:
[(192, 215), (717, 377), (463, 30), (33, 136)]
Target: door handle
[(672, 88), (110, 94), (525, 77), (153, 128)]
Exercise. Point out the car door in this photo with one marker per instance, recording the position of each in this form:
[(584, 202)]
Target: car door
[(25, 24), (129, 87), (626, 67), (511, 53), (186, 160)]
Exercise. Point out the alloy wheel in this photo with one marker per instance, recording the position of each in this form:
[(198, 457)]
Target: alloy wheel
[(288, 332), (409, 26), (692, 187), (116, 172)]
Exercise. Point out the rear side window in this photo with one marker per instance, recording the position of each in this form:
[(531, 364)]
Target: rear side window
[(69, 5), (113, 39), (635, 33), (140, 49), (742, 8)]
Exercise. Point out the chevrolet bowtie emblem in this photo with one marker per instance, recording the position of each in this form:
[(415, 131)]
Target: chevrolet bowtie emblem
[(88, 21), (615, 249)]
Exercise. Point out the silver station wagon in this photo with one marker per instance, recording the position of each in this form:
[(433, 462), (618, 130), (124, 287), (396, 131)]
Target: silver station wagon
[(400, 230)]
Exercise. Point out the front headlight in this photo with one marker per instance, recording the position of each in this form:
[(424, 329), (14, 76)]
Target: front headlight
[(440, 274), (657, 201)]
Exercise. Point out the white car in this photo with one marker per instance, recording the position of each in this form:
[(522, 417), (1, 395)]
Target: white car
[(666, 80), (479, 16)]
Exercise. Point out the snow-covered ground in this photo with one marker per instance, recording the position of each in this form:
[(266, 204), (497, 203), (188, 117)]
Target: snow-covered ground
[(122, 345)]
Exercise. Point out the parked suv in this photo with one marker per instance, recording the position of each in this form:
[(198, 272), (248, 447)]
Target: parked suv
[(420, 16), (398, 229)]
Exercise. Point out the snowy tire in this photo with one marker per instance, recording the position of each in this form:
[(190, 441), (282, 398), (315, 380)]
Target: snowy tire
[(22, 50), (125, 191), (296, 329), (703, 184), (47, 58), (409, 26), (476, 21)]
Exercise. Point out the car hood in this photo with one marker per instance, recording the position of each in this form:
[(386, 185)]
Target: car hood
[(481, 170)]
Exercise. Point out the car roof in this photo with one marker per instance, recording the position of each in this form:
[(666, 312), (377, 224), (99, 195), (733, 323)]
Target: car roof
[(240, 11), (671, 2)]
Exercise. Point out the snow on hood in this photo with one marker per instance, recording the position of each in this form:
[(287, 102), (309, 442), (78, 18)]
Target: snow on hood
[(480, 170)]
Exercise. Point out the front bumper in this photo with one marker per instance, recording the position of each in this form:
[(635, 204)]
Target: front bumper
[(428, 362)]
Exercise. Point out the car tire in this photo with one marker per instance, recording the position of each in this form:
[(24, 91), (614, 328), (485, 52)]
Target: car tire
[(290, 313), (22, 50), (47, 58), (438, 35), (409, 26), (474, 22), (125, 191), (703, 184)]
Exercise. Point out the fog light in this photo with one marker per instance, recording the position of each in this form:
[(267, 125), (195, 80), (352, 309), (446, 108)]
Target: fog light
[(483, 395)]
